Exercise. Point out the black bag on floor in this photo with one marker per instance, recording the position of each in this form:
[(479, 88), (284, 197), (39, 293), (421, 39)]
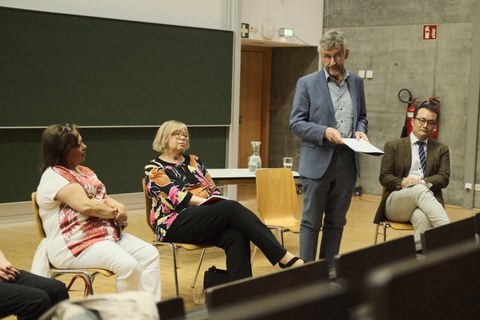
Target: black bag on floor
[(214, 277)]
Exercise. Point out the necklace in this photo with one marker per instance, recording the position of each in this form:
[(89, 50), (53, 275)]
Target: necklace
[(168, 159)]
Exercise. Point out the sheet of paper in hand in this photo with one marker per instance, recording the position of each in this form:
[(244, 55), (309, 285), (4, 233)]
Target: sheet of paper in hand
[(362, 146)]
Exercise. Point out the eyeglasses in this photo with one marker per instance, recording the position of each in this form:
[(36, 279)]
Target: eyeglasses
[(336, 57), (180, 135), (429, 123)]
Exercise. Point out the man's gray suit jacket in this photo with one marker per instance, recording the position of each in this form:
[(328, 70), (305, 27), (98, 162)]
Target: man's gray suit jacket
[(313, 113)]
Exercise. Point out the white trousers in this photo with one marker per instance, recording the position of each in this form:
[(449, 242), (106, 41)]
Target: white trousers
[(418, 205), (135, 262)]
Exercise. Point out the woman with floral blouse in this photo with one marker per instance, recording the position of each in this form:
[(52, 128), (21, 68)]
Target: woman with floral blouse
[(178, 185)]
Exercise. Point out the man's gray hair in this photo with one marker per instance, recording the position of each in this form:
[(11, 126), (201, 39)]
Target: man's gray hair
[(331, 38)]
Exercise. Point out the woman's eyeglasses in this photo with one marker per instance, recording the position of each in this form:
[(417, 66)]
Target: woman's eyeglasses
[(180, 135)]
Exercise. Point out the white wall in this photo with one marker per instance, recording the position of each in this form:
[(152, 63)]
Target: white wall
[(211, 14), (305, 17)]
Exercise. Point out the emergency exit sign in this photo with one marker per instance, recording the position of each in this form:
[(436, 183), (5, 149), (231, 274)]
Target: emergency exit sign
[(430, 31)]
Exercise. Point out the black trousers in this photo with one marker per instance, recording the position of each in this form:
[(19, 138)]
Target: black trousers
[(29, 295), (228, 225)]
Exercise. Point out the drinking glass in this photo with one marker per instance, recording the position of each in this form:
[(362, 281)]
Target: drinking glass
[(198, 296), (288, 162)]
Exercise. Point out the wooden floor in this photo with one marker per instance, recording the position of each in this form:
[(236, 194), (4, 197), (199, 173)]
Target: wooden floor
[(19, 241)]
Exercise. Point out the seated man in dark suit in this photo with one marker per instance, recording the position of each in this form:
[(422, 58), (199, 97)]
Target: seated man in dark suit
[(414, 171)]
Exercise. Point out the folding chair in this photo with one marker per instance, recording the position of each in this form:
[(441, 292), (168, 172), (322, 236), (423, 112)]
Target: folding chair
[(448, 234), (444, 285), (352, 267), (313, 301), (258, 287)]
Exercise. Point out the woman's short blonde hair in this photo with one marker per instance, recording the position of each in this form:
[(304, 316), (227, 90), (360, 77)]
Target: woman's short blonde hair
[(166, 130)]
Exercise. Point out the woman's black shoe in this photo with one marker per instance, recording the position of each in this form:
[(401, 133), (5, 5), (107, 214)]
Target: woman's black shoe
[(289, 263)]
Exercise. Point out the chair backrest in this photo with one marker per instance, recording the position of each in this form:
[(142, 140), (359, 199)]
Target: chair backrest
[(448, 234), (444, 285), (354, 266), (276, 192), (148, 204), (38, 219), (309, 302), (253, 288), (171, 309)]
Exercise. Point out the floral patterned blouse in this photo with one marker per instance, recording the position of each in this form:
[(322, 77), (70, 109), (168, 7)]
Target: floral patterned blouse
[(171, 186)]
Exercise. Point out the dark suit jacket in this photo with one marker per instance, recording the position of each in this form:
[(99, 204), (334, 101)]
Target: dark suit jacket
[(396, 163)]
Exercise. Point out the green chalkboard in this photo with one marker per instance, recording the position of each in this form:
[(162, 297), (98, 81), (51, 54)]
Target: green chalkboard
[(56, 68), (117, 155)]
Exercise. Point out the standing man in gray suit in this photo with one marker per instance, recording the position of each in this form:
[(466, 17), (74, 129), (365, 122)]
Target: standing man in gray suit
[(329, 105)]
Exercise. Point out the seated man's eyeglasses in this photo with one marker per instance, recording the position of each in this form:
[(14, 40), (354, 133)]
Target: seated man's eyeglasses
[(429, 123)]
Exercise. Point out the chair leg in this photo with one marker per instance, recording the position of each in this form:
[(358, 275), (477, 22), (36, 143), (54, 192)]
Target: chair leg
[(198, 268), (253, 254), (281, 237), (276, 230), (90, 284), (86, 278), (175, 273), (385, 225), (376, 233)]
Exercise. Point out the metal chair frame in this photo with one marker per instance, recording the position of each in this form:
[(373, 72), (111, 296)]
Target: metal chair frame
[(390, 224)]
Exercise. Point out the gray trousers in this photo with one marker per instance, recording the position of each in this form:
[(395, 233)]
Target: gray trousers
[(325, 205), (418, 205)]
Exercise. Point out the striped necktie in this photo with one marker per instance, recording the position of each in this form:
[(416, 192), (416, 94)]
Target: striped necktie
[(421, 154)]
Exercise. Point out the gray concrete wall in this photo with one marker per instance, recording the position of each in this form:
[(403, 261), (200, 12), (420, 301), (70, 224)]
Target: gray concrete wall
[(386, 37)]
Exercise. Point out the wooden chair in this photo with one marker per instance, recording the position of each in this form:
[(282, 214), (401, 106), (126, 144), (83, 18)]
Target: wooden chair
[(86, 274), (277, 199), (173, 245), (354, 266), (448, 234), (444, 285), (254, 288)]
